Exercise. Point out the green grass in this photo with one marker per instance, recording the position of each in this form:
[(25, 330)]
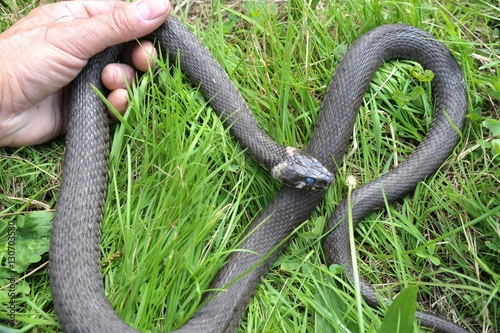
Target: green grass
[(182, 191)]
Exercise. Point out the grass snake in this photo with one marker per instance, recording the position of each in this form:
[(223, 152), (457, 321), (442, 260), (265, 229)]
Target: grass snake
[(75, 270)]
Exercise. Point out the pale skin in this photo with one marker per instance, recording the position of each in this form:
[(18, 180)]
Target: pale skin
[(43, 52)]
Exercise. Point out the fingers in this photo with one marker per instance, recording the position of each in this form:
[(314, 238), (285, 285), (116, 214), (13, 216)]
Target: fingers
[(107, 23), (118, 77), (141, 56), (136, 56), (119, 99)]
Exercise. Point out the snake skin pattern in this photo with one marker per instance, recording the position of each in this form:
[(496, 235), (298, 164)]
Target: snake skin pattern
[(75, 270)]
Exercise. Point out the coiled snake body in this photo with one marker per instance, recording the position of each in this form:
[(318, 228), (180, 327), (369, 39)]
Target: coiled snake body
[(75, 271)]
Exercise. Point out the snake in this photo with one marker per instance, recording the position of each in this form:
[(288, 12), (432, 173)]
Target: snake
[(74, 256)]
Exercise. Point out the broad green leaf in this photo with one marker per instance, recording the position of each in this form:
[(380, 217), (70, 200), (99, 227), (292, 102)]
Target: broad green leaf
[(493, 125), (400, 317), (425, 76), (336, 269), (403, 97), (31, 240)]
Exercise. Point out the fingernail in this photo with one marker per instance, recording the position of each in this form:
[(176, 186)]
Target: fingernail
[(151, 9)]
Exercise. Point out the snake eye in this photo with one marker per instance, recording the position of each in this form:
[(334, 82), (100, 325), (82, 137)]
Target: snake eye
[(309, 180)]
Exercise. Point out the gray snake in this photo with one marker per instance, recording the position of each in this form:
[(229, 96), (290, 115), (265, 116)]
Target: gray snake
[(75, 271)]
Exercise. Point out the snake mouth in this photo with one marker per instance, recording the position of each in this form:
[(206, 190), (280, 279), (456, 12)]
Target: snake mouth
[(320, 183)]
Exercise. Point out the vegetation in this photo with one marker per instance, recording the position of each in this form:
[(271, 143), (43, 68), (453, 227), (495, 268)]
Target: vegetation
[(181, 190)]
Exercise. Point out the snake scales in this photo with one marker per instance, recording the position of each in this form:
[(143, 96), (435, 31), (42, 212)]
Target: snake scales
[(75, 271)]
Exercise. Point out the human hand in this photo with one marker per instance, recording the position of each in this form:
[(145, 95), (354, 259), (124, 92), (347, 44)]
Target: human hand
[(43, 52)]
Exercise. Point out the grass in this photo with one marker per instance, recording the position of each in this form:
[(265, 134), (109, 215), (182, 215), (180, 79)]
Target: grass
[(181, 190)]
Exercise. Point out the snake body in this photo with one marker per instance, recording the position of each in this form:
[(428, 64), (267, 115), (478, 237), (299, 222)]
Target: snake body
[(75, 271)]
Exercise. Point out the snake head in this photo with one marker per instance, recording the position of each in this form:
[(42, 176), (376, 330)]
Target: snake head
[(302, 170)]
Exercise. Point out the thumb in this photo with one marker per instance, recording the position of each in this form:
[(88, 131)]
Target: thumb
[(109, 23)]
